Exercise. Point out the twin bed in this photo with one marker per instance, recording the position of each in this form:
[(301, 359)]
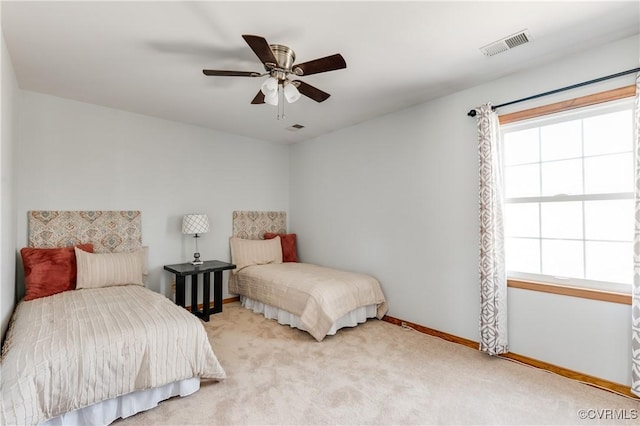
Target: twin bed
[(107, 347), (271, 281)]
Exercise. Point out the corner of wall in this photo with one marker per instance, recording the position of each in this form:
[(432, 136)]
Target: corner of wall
[(9, 109)]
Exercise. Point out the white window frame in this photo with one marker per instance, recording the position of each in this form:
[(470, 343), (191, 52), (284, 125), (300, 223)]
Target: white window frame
[(563, 116)]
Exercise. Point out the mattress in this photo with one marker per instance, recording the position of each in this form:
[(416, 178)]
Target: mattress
[(74, 349), (318, 295)]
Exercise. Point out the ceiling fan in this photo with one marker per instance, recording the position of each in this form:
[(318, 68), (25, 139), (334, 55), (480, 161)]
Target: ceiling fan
[(278, 61)]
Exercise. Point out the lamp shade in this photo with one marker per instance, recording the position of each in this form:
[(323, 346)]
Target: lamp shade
[(270, 86), (291, 93), (195, 224), (272, 98)]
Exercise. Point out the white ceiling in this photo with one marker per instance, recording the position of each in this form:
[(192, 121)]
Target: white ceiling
[(147, 57)]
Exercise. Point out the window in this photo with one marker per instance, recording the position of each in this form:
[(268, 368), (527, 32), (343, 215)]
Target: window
[(569, 202)]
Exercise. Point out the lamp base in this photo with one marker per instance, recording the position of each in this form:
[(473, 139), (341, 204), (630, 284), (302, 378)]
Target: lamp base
[(196, 259)]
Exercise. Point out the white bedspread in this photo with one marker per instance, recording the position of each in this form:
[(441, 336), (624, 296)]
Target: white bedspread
[(317, 294), (73, 349)]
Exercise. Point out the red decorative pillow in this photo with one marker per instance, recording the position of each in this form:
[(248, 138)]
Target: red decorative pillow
[(288, 242), (49, 271)]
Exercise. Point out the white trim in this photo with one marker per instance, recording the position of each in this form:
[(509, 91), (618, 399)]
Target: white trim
[(571, 282), (571, 197)]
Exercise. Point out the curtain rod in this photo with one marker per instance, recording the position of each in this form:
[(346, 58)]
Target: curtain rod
[(472, 113)]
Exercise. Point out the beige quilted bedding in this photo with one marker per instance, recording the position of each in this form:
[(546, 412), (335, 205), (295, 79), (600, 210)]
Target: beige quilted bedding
[(317, 294), (76, 348)]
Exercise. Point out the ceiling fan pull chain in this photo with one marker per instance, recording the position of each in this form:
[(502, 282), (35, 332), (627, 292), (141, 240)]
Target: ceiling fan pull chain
[(280, 103)]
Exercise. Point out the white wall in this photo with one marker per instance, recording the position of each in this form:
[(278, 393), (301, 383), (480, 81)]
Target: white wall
[(10, 94), (397, 197), (77, 156)]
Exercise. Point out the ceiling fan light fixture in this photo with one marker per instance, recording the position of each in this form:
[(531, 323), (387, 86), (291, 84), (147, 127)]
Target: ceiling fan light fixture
[(291, 93), (272, 98), (270, 87)]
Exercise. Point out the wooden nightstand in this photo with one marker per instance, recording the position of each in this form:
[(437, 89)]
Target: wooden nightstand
[(182, 270)]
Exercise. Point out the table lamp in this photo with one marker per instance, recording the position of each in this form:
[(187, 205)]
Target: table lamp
[(195, 224)]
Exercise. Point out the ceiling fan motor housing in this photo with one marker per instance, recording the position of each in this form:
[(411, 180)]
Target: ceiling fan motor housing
[(285, 57)]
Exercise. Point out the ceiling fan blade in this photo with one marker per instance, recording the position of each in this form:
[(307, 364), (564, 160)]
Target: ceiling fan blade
[(223, 73), (328, 63), (310, 91), (261, 48), (259, 99)]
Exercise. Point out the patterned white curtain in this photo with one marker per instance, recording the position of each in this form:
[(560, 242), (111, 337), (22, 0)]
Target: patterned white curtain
[(635, 303), (493, 281)]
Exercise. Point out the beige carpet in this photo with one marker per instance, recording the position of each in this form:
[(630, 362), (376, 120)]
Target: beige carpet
[(376, 373)]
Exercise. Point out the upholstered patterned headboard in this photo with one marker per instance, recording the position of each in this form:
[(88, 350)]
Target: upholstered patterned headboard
[(108, 231), (252, 225)]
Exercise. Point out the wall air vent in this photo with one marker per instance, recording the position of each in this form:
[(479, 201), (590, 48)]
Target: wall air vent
[(295, 127), (506, 43)]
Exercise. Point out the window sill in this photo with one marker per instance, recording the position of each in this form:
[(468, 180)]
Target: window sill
[(585, 293)]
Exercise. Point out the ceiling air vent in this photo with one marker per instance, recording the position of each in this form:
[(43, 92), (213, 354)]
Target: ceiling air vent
[(506, 43)]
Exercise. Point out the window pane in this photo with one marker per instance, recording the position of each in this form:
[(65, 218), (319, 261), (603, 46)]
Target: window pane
[(562, 177), (522, 255), (608, 173), (522, 181), (611, 262), (521, 147), (609, 220), (521, 220), (562, 258), (562, 219), (587, 154), (608, 133), (562, 140)]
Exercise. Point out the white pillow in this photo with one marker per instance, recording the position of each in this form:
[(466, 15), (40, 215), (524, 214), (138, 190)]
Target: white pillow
[(254, 252), (108, 269)]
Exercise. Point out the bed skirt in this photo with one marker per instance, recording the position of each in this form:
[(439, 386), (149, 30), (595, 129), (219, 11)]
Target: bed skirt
[(351, 319), (106, 412)]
